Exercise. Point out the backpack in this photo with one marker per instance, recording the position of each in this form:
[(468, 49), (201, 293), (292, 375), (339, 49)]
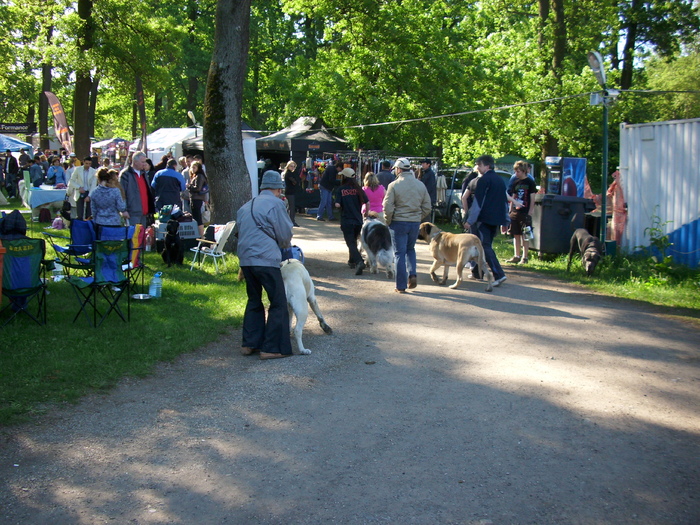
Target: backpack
[(44, 215)]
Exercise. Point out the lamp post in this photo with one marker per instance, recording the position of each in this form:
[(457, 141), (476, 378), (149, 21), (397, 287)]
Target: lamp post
[(598, 68)]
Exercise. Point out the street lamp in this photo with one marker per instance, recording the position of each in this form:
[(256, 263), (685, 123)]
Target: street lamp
[(595, 61), (598, 68)]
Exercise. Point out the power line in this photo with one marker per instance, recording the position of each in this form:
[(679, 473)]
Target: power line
[(461, 113)]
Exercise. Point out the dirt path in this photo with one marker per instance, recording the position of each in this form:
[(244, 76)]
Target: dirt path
[(537, 403)]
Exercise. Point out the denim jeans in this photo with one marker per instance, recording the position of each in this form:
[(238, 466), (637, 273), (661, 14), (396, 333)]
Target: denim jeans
[(486, 234), (405, 235), (326, 203)]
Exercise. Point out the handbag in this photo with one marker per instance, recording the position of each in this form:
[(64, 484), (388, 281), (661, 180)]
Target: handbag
[(206, 213)]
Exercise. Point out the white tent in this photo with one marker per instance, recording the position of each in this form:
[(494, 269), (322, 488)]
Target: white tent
[(165, 140)]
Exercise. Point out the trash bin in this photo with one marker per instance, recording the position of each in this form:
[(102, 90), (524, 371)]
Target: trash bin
[(554, 219)]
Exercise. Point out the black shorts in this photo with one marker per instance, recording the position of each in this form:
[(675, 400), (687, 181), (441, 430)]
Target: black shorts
[(518, 221)]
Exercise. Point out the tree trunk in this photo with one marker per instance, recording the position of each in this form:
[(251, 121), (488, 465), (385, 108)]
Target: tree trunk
[(81, 103), (46, 70), (92, 108), (229, 181), (83, 82), (559, 33), (630, 43)]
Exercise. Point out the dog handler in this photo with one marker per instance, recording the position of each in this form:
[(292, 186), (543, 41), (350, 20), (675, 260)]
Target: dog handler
[(405, 203), (263, 228)]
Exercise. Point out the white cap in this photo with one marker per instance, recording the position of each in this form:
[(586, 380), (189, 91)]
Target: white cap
[(402, 163)]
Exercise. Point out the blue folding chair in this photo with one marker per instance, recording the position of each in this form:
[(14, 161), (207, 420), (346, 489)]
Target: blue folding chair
[(108, 282), (24, 278), (74, 253)]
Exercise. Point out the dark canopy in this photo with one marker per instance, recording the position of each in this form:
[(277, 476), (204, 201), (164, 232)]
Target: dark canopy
[(305, 134)]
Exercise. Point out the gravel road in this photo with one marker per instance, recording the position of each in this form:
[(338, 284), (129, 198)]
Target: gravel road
[(538, 403)]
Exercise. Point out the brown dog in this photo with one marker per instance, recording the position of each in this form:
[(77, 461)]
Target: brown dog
[(450, 249)]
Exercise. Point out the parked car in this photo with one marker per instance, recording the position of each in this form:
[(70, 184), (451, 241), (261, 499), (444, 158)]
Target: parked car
[(451, 209)]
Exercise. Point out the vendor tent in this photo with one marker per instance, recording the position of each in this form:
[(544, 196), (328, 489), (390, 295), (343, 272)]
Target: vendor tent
[(103, 144), (305, 134), (13, 144), (165, 140), (196, 144)]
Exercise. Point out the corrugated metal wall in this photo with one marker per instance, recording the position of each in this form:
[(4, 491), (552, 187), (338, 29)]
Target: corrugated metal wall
[(660, 167)]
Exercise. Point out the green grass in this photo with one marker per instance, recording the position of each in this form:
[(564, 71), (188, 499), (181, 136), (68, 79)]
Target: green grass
[(635, 277), (62, 361)]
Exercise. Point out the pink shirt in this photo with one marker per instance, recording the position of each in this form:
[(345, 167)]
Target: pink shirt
[(376, 198)]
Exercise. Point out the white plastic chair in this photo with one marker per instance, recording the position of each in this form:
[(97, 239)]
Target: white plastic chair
[(213, 249)]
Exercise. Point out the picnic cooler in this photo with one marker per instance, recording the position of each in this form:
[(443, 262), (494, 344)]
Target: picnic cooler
[(188, 231)]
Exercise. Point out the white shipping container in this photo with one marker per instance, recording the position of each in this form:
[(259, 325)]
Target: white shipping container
[(660, 168)]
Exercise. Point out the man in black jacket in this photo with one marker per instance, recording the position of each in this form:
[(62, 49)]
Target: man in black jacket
[(487, 213), (11, 169), (327, 185)]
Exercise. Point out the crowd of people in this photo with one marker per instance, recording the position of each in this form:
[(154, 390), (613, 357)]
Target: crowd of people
[(97, 190)]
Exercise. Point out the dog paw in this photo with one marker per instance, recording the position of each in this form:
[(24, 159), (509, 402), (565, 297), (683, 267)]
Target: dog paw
[(455, 285), (304, 351), (326, 328)]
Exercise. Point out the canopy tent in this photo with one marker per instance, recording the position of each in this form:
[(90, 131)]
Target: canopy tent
[(306, 137), (196, 144), (13, 144), (165, 140), (305, 134), (104, 144)]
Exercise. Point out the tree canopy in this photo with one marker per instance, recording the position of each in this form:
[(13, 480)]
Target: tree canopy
[(360, 63)]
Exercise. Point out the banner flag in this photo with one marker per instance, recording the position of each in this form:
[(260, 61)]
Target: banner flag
[(59, 122)]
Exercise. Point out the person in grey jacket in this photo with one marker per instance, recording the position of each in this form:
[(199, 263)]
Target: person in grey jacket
[(264, 227), (139, 197), (405, 203)]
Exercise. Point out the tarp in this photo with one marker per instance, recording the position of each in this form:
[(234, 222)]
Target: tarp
[(13, 144), (305, 134)]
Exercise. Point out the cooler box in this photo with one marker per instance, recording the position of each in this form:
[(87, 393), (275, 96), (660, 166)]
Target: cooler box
[(188, 230), (554, 219)]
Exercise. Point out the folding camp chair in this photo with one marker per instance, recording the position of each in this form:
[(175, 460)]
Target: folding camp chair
[(214, 249), (24, 278), (108, 281), (77, 252)]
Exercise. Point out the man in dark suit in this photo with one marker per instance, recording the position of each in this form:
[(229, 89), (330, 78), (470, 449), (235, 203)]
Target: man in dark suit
[(11, 170)]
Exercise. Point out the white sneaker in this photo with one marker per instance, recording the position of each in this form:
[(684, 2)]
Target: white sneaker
[(498, 282)]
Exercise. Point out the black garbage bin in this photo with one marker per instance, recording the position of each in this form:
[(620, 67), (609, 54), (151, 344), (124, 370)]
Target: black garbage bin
[(554, 219)]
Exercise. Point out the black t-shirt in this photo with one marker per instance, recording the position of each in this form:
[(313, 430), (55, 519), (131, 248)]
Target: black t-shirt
[(521, 189), (351, 198)]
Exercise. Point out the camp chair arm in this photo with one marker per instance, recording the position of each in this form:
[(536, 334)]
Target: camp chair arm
[(207, 241), (55, 236)]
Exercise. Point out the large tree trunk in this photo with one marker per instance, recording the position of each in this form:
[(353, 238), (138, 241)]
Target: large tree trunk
[(83, 83), (229, 181)]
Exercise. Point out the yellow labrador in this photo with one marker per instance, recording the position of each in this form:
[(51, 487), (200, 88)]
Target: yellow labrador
[(300, 290), (450, 249)]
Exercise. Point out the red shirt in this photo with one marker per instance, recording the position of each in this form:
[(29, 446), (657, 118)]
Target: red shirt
[(143, 192)]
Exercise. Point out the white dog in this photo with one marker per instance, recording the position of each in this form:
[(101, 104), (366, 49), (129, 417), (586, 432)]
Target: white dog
[(378, 243), (300, 289)]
